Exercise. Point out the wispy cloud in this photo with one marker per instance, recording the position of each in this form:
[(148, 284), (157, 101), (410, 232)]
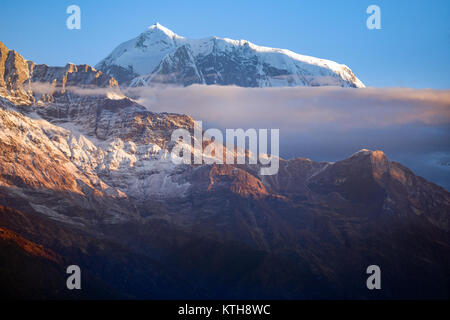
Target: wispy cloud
[(47, 88)]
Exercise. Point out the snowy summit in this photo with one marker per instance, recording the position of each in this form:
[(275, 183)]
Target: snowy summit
[(158, 55)]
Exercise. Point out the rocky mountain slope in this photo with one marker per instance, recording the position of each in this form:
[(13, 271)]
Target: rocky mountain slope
[(159, 56), (85, 178)]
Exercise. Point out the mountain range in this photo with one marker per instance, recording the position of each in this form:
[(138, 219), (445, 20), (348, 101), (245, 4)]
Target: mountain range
[(86, 179), (160, 56)]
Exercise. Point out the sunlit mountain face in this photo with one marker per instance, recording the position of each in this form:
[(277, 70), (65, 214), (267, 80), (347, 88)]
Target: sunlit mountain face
[(160, 56), (86, 178)]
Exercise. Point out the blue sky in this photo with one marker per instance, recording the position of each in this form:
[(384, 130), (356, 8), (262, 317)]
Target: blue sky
[(411, 50)]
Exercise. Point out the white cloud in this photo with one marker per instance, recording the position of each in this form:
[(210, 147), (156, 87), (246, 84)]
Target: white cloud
[(300, 108)]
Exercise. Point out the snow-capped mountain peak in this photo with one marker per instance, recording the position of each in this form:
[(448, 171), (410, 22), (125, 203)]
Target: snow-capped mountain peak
[(159, 55), (157, 27)]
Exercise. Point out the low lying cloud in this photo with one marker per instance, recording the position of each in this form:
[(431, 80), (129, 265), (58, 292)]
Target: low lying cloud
[(47, 88), (300, 108)]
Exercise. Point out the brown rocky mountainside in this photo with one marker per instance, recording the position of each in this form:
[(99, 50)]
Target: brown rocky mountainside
[(86, 178), (17, 74)]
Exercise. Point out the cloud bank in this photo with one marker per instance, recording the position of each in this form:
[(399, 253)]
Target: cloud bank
[(301, 107)]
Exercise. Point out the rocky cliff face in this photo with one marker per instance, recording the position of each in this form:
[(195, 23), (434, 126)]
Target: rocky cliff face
[(94, 166), (159, 56), (24, 82)]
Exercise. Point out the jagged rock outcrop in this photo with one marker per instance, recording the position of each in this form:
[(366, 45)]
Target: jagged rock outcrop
[(24, 82)]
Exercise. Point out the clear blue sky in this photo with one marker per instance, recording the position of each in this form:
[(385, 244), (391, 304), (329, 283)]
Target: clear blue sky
[(411, 50)]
